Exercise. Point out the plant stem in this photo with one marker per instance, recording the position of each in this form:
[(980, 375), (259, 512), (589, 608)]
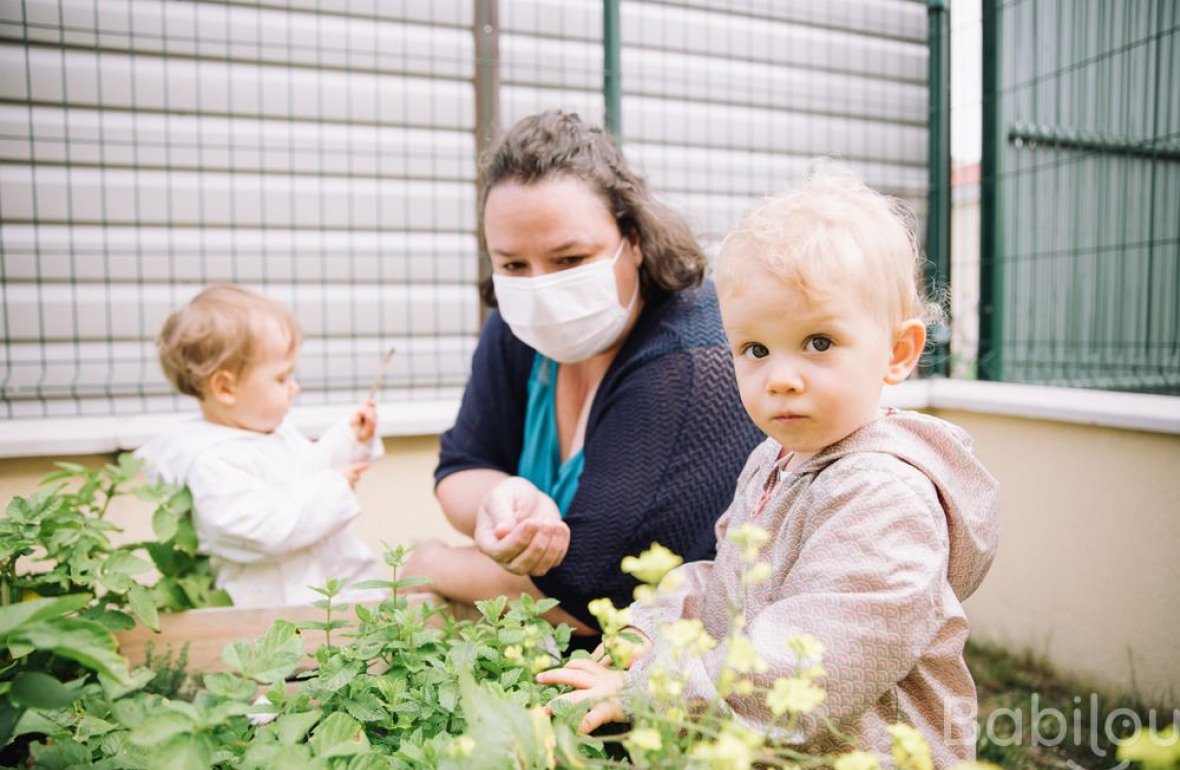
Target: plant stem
[(110, 493)]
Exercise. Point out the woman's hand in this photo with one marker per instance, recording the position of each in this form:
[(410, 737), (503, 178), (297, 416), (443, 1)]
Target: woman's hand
[(591, 680), (520, 528), (364, 422)]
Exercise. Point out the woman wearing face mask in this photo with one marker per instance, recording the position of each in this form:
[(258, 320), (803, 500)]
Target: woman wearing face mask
[(601, 415)]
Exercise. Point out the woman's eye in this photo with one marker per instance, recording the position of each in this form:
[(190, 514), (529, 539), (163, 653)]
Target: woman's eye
[(819, 344), (756, 351), (511, 267), (570, 261)]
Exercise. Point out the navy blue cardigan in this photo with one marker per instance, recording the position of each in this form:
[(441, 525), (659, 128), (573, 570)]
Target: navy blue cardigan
[(666, 439)]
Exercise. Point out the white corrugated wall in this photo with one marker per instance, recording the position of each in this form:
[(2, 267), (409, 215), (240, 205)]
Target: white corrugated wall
[(323, 152)]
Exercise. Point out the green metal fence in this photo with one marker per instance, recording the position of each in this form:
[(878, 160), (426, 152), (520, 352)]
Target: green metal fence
[(1080, 280), (325, 153)]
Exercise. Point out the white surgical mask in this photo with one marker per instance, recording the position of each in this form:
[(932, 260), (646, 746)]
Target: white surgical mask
[(570, 315)]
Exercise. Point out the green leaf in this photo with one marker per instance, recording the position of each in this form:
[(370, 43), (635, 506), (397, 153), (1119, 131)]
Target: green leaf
[(377, 584), (272, 658), (186, 535), (187, 752), (448, 696), (115, 689), (34, 689), (164, 524), (112, 620), (9, 714), (292, 728), (83, 641), (371, 761), (338, 736), (116, 571), (143, 604), (162, 727), (226, 685), (181, 502), (15, 615), (410, 582), (63, 754), (492, 609)]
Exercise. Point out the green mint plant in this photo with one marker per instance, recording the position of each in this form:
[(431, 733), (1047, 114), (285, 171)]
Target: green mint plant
[(57, 542)]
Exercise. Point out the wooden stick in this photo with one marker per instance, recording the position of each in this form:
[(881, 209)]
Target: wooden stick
[(380, 373)]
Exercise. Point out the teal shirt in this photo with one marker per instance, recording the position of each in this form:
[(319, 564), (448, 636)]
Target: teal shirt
[(540, 459)]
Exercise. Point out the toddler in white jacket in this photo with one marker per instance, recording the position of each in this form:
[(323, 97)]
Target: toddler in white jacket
[(270, 507)]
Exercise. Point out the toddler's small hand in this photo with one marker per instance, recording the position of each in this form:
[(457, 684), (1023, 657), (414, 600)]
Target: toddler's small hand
[(352, 473), (364, 422), (591, 681)]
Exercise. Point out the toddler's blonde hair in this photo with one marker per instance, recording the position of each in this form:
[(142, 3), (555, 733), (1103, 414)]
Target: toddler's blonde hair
[(832, 232), (221, 328)]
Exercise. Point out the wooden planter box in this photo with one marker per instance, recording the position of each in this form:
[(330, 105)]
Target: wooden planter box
[(208, 631)]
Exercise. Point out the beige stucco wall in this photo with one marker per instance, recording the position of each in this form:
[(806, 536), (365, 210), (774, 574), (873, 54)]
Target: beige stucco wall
[(1089, 560), (396, 494), (1088, 568)]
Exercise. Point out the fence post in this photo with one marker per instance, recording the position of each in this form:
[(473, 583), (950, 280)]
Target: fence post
[(989, 361), (487, 102), (612, 89), (938, 217)]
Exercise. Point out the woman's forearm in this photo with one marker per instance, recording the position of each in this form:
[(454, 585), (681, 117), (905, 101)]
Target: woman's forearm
[(460, 494)]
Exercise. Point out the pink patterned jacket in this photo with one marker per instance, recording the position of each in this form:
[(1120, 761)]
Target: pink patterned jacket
[(875, 543)]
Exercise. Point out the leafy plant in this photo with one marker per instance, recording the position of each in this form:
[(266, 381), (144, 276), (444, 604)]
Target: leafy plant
[(57, 542)]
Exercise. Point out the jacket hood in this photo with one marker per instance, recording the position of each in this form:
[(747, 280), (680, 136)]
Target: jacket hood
[(943, 452), (169, 456)]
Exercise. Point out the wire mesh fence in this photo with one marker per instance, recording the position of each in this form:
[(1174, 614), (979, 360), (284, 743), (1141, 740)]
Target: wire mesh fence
[(1080, 280), (325, 153)]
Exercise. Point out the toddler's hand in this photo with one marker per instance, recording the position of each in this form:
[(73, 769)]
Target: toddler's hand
[(364, 422), (352, 473), (594, 681)]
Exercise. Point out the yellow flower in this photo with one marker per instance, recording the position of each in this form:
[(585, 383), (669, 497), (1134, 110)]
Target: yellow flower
[(756, 574), (806, 647), (742, 657), (461, 746), (814, 672), (910, 750), (750, 538), (743, 687), (799, 696), (621, 651), (651, 565), (644, 739), (514, 653), (1155, 750), (532, 635), (610, 619), (733, 750), (688, 635), (857, 760), (663, 685), (543, 732), (540, 663)]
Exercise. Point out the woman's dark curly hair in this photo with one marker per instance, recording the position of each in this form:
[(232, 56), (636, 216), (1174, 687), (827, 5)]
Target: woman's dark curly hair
[(556, 144)]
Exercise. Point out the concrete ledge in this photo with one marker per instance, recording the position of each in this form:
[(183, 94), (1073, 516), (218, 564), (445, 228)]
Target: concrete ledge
[(102, 435), (1107, 409), (1128, 411)]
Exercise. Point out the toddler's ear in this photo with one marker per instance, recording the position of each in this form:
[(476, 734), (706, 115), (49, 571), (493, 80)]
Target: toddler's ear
[(909, 340), (223, 388)]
